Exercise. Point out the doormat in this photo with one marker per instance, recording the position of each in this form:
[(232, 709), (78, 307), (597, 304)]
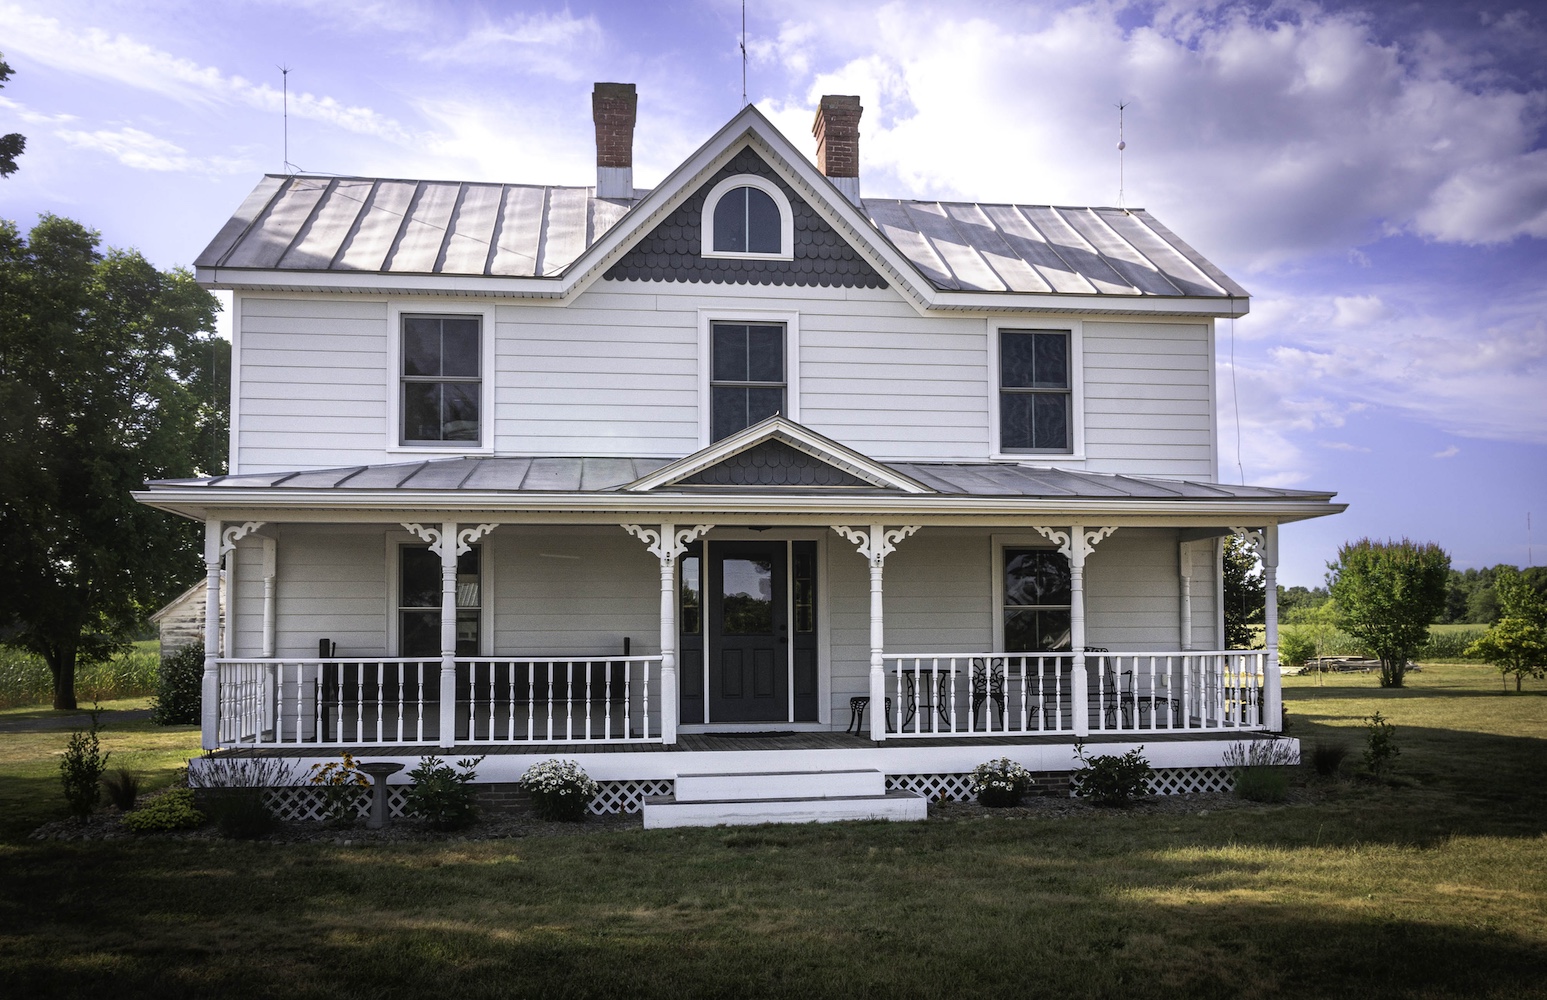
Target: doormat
[(751, 736)]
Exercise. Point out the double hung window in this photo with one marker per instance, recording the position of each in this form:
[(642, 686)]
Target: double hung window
[(1036, 601), (419, 597), (1034, 391), (442, 379), (747, 375)]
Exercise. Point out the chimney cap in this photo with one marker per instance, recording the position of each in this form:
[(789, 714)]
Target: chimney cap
[(614, 91)]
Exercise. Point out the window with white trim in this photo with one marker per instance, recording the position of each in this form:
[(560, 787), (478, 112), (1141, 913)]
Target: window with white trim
[(747, 375), (748, 216), (1037, 594), (1035, 396), (419, 601), (441, 388)]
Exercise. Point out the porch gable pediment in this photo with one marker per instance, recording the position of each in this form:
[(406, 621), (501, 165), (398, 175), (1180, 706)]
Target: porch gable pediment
[(778, 453)]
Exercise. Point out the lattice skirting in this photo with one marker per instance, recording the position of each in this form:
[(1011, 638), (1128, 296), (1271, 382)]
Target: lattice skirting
[(628, 796), (302, 803), (1190, 780), (1164, 781)]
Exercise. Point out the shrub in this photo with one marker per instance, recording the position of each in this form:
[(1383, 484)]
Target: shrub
[(122, 788), (173, 810), (1109, 779), (1326, 758), (1381, 745), (341, 783), (560, 789), (1295, 647), (1261, 769), (443, 796), (81, 769), (999, 783), (181, 688), (234, 792)]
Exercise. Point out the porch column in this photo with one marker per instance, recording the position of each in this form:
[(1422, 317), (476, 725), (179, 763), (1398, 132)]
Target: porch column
[(209, 704), (1184, 558), (666, 544), (448, 633), (1264, 542), (875, 545), (1075, 545), (1273, 694), (269, 554)]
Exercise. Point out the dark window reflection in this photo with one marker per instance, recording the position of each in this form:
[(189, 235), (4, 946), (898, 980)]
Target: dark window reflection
[(747, 596), (442, 384), (1036, 600), (746, 220), (747, 369), (419, 601), (1034, 396)]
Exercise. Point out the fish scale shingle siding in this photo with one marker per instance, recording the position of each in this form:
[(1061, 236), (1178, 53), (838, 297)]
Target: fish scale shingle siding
[(671, 251)]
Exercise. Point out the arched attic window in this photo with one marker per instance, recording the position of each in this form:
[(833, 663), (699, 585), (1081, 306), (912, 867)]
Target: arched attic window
[(748, 216)]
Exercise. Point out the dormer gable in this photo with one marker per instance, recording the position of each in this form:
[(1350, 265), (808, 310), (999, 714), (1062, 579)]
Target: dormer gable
[(778, 453)]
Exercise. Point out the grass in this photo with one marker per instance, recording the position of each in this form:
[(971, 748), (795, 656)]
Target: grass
[(25, 679), (1434, 885)]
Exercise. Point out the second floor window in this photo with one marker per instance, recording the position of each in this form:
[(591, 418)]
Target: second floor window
[(1034, 396), (442, 381), (747, 382)]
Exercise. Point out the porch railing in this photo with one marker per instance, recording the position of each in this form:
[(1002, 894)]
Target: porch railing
[(994, 694), (397, 700)]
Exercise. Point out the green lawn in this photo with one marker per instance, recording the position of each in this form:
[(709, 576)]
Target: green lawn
[(1433, 886)]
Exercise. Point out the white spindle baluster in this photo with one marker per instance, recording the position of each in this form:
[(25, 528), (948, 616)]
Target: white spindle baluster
[(569, 700), (644, 700), (607, 704), (550, 700), (531, 701)]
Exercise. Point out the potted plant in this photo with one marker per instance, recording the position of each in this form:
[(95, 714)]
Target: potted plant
[(1000, 783)]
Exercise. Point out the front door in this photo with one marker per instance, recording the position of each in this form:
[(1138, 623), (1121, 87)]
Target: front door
[(749, 650)]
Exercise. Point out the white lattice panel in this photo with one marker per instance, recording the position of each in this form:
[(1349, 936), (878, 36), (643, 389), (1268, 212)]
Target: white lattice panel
[(1190, 780), (627, 796), (934, 787), (302, 803)]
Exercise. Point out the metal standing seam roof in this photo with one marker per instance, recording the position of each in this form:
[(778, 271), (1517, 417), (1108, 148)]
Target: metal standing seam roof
[(359, 224), (598, 475)]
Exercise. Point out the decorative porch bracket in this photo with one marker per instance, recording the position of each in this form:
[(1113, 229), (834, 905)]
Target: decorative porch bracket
[(874, 544), (667, 543), (229, 536), (448, 542), (1076, 544), (1264, 542)]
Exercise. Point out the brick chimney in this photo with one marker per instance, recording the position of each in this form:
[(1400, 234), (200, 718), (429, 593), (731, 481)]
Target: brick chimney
[(613, 108), (837, 142)]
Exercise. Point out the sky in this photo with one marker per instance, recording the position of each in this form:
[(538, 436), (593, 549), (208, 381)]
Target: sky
[(1375, 174)]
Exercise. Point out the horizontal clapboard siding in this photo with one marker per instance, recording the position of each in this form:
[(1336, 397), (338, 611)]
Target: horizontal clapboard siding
[(575, 592), (313, 383), (331, 582), (1147, 399), (617, 372)]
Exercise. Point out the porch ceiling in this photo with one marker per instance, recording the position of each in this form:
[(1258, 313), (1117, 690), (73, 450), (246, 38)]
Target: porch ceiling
[(582, 489)]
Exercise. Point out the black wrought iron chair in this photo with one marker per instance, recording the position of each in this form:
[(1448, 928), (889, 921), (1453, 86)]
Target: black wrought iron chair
[(988, 682)]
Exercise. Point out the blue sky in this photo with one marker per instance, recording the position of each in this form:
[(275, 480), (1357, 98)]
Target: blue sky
[(1376, 175)]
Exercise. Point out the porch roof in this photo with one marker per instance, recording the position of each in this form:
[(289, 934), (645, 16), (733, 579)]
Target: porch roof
[(599, 486)]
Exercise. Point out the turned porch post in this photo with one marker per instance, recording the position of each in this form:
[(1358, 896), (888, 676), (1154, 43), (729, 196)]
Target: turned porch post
[(1273, 694), (1079, 683), (666, 544), (875, 544), (269, 559), (209, 714), (447, 544), (1184, 557)]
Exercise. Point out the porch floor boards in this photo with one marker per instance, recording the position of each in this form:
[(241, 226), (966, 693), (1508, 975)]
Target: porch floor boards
[(706, 742)]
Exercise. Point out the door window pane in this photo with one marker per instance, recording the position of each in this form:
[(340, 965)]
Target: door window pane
[(748, 596), (691, 596)]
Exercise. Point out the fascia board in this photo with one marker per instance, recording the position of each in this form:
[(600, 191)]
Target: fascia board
[(197, 502), (1039, 302), (377, 283)]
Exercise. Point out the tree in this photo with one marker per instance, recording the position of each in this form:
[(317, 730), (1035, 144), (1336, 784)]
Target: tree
[(1387, 595), (102, 359), (1245, 592), (1517, 643), (11, 146)]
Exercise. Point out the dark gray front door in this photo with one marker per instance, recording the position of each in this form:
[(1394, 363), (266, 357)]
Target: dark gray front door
[(749, 672)]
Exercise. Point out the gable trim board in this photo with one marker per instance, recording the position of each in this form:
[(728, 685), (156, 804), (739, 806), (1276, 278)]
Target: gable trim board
[(747, 129), (800, 438)]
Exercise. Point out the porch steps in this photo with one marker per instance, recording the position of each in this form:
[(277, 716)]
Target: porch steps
[(742, 799)]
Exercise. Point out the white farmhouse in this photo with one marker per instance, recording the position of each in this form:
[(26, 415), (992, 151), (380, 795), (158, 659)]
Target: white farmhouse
[(826, 498)]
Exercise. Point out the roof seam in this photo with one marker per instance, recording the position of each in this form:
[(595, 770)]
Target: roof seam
[(402, 229)]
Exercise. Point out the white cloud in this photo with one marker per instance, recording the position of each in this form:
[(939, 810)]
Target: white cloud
[(1314, 135), (553, 45), (126, 61), (1343, 446), (1450, 452), (31, 117), (143, 151)]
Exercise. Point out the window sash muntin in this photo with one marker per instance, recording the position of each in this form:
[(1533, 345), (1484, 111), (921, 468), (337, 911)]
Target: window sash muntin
[(1018, 351), (421, 367), (727, 394)]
